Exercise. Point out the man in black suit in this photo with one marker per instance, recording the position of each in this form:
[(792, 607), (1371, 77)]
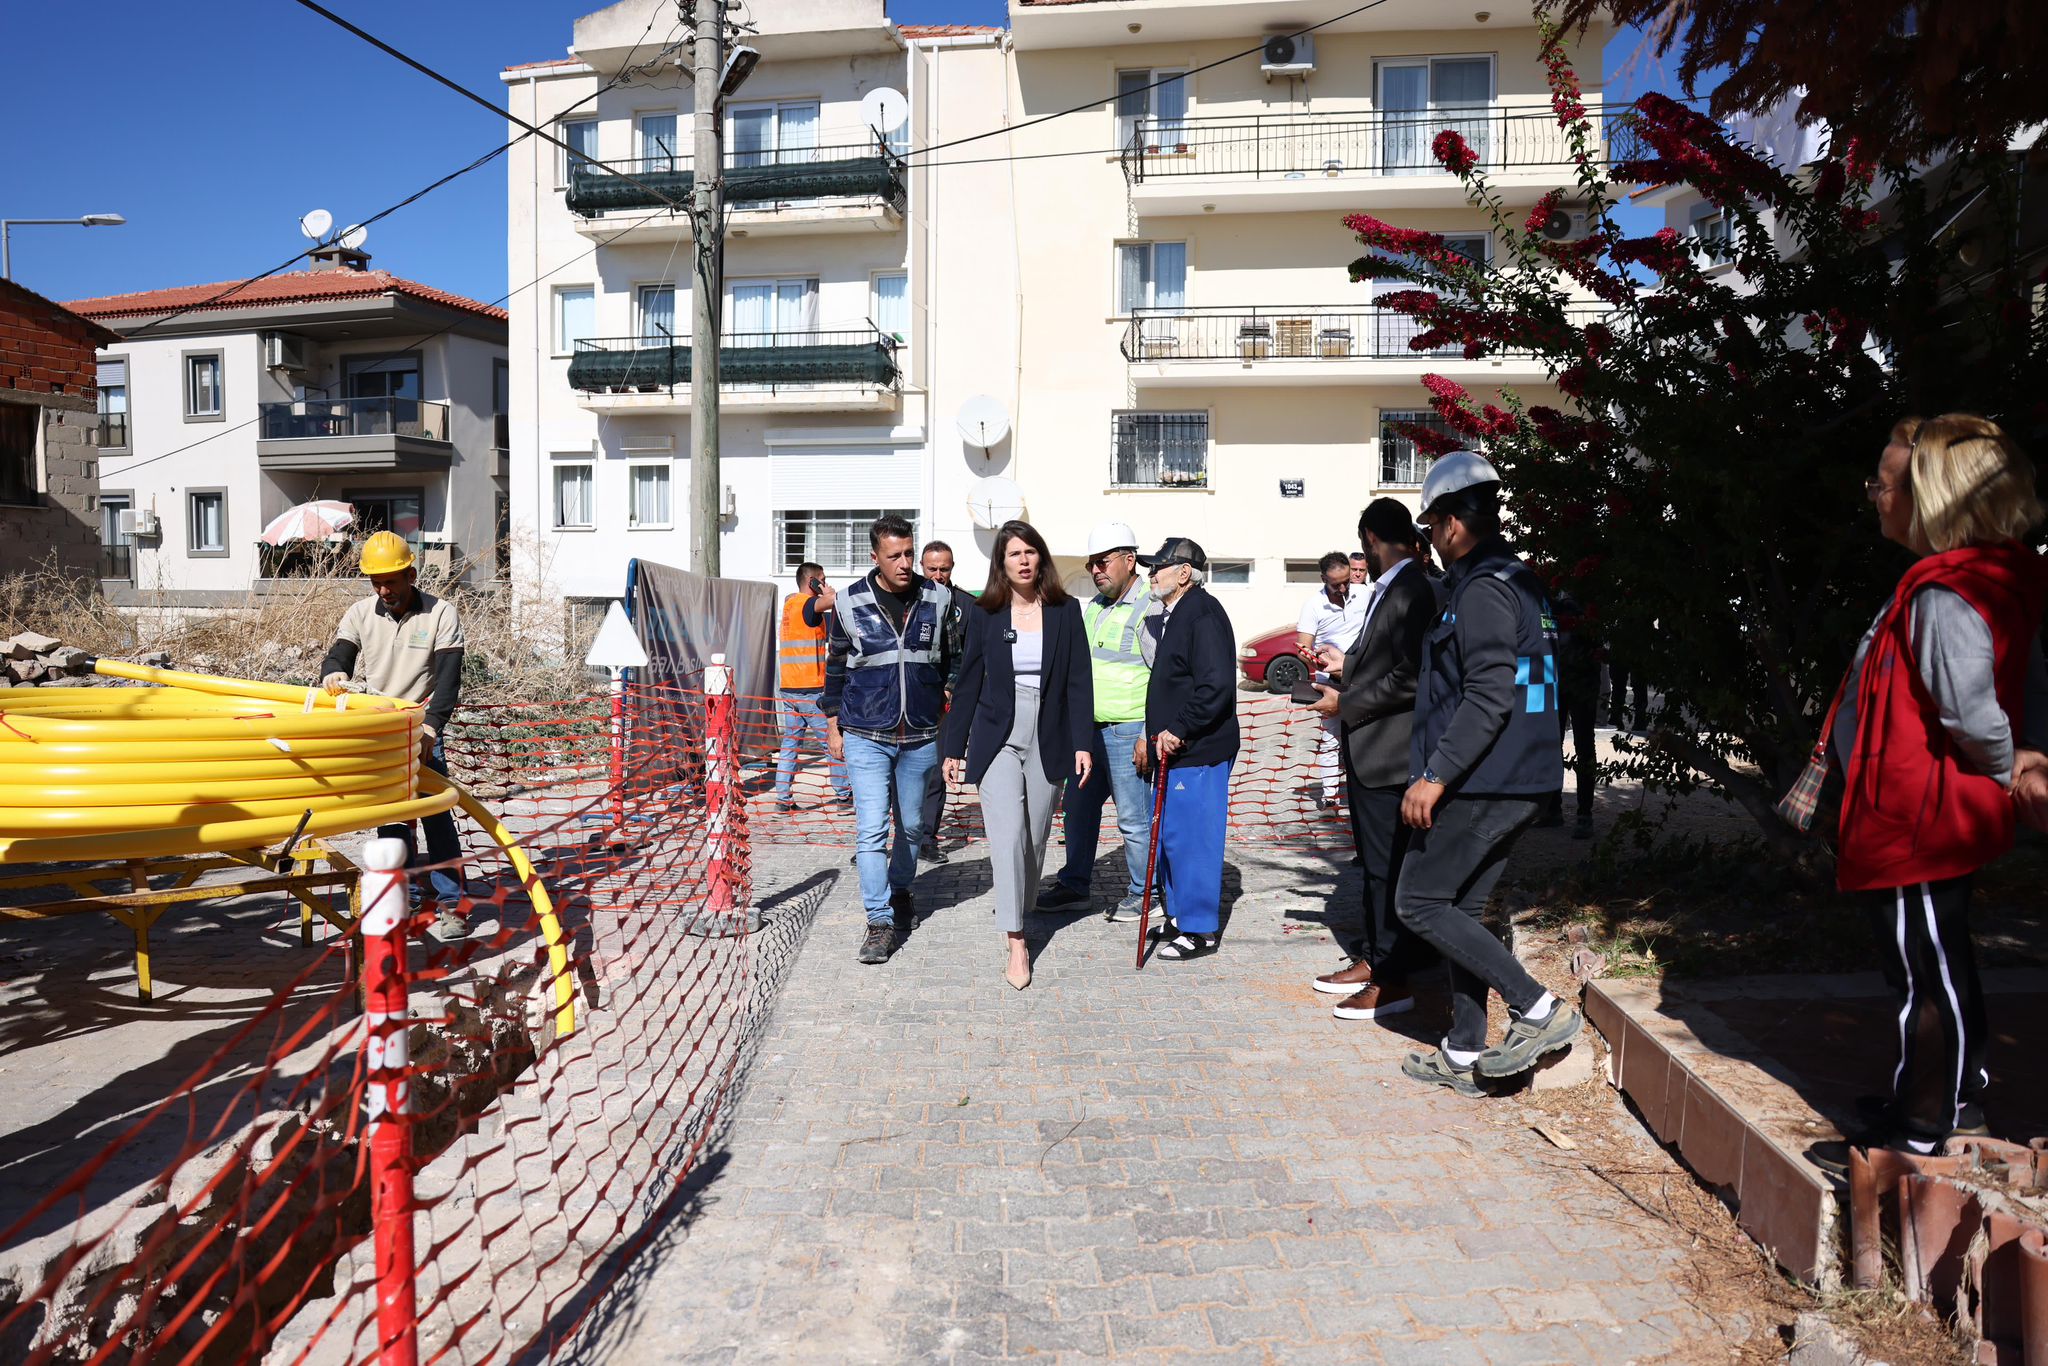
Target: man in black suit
[(1377, 708)]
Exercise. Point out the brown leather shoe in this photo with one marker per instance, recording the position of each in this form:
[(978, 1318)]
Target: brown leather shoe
[(1345, 981), (1377, 1001)]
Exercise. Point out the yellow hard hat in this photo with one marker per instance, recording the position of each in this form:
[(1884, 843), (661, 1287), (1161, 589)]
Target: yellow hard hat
[(386, 553)]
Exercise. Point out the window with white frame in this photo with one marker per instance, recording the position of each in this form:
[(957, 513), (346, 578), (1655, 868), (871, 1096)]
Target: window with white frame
[(647, 496), (1419, 97), (1710, 228), (772, 133), (575, 317), (759, 312), (658, 148), (1151, 275), (1230, 573), (892, 305), (113, 385), (1402, 463), (1393, 331), (1159, 450), (836, 538), (206, 521), (581, 135), (1152, 108), (203, 386), (574, 488), (655, 307)]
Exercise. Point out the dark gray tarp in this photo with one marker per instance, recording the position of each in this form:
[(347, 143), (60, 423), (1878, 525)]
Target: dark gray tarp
[(682, 620)]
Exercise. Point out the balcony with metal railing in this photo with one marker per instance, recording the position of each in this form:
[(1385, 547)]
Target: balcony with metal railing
[(1310, 344), (342, 435), (853, 187), (842, 370), (1359, 158)]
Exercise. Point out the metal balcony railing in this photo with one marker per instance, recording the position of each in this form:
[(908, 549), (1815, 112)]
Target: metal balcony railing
[(326, 418), (113, 431), (789, 177), (1303, 146), (860, 356), (1305, 333)]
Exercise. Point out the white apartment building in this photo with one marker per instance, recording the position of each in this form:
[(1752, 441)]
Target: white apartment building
[(340, 382), (843, 359), (1195, 359)]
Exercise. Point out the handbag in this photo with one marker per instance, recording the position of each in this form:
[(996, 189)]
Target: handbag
[(1797, 806)]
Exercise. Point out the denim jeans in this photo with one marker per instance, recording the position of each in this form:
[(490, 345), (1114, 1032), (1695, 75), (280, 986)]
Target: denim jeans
[(1113, 777), (444, 846), (798, 714), (887, 776)]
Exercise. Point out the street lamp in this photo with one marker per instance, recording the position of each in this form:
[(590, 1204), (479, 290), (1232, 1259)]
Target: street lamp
[(7, 226)]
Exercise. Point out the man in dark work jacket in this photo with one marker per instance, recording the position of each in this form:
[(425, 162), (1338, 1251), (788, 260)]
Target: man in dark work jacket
[(1191, 719)]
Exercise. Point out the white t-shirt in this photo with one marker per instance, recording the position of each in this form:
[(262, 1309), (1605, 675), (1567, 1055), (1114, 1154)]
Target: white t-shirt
[(1330, 624)]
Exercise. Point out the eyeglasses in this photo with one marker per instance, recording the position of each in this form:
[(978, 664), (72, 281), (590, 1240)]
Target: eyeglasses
[(1156, 570), (1873, 487), (1102, 561)]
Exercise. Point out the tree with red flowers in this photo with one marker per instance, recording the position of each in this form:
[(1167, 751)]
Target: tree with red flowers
[(1700, 492)]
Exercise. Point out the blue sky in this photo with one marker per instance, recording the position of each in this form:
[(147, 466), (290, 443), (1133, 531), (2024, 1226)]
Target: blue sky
[(213, 128)]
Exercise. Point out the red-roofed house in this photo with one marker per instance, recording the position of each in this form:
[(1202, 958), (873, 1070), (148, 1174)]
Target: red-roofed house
[(49, 482), (225, 404)]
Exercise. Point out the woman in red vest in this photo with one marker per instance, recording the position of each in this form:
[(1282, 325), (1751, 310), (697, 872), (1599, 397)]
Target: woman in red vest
[(1942, 717)]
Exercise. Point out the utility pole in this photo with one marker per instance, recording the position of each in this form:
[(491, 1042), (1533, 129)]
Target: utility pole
[(707, 192)]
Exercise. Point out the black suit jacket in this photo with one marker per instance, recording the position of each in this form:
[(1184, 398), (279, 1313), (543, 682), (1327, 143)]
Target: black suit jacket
[(1377, 701), (985, 697), (1193, 688)]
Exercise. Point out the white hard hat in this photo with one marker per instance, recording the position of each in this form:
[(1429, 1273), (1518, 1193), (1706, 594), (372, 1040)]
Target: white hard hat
[(1454, 472), (1111, 536)]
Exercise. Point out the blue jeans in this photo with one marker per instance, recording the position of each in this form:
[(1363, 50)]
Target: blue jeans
[(798, 715), (444, 845), (887, 776), (1113, 777)]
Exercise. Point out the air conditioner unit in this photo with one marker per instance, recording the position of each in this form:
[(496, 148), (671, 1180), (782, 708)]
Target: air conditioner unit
[(136, 522), (282, 351), (1567, 225), (1286, 55)]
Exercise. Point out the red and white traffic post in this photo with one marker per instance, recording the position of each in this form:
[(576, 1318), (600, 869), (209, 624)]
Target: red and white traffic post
[(387, 1061)]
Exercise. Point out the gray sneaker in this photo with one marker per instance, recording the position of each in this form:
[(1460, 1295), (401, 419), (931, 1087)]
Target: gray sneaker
[(879, 943), (1526, 1042), (1125, 911), (449, 927), (1438, 1070)]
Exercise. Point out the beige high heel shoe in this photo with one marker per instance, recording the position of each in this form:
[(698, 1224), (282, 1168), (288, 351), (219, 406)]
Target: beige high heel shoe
[(1019, 978)]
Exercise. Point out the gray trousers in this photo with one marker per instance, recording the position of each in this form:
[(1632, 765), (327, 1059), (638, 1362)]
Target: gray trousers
[(1016, 810)]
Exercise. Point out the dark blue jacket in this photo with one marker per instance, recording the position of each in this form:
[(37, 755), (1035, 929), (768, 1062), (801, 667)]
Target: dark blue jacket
[(985, 697), (1193, 690), (883, 685), (1486, 700)]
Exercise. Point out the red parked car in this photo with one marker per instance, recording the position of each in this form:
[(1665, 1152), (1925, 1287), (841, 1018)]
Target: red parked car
[(1270, 659)]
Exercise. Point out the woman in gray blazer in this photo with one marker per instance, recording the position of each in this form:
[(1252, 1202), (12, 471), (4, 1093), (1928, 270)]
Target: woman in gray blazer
[(1021, 719)]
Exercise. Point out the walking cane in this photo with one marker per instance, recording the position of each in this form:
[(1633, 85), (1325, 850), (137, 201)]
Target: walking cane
[(1151, 860)]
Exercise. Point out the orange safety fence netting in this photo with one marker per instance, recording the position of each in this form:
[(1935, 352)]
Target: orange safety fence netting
[(194, 1185)]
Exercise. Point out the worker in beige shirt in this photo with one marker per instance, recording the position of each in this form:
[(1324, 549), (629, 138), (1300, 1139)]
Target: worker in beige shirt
[(408, 644)]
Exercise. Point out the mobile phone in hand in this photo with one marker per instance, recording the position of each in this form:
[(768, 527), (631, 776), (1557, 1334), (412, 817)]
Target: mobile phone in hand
[(1307, 694)]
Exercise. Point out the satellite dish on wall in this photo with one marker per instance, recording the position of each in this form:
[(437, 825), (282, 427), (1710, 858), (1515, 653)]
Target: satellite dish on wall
[(993, 501), (354, 237), (315, 224), (884, 109), (983, 421)]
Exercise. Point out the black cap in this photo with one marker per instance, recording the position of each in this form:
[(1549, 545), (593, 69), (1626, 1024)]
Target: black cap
[(1176, 550)]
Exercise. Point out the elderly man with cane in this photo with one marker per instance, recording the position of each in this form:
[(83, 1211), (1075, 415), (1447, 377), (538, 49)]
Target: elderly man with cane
[(1191, 721)]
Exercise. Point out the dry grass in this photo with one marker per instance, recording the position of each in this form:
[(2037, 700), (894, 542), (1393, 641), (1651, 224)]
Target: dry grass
[(523, 645)]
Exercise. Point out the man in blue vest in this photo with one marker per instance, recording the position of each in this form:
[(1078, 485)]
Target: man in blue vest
[(1484, 757), (892, 650), (1123, 633)]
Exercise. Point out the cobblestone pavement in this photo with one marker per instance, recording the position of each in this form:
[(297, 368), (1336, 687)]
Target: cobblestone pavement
[(1195, 1162)]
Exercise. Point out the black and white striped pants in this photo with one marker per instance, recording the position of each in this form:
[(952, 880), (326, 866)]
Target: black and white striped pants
[(1938, 1083)]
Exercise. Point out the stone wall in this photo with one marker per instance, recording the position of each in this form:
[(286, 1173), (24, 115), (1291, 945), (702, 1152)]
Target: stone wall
[(62, 531)]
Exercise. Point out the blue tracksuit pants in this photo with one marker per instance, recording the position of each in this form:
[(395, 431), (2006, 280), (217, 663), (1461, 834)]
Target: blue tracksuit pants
[(1191, 824)]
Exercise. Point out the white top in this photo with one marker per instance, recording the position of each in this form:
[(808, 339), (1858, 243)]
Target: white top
[(1330, 624), (1377, 592), (1027, 657)]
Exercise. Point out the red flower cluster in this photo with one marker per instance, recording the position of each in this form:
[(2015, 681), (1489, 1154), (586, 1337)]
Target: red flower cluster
[(1663, 252), (1423, 246), (1565, 92), (1540, 215), (1862, 166), (1599, 336), (1453, 153), (1572, 379), (1416, 303), (1694, 149)]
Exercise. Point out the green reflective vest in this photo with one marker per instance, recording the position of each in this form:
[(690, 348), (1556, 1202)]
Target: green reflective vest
[(1115, 656)]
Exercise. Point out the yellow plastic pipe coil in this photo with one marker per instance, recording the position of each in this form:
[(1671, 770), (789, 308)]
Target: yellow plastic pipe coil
[(196, 764)]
